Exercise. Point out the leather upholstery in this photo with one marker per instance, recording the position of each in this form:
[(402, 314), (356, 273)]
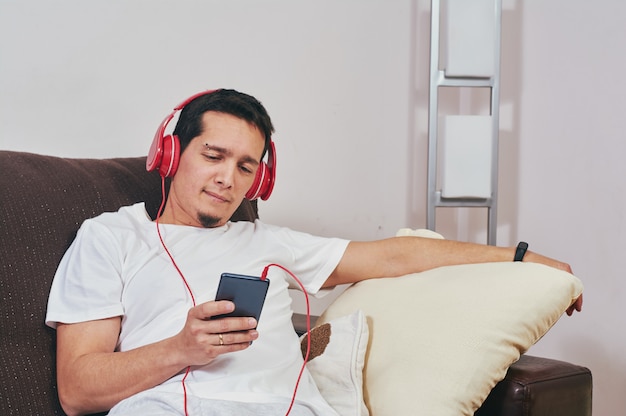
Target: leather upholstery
[(541, 387)]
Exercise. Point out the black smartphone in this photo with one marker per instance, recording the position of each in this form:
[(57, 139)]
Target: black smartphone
[(246, 292)]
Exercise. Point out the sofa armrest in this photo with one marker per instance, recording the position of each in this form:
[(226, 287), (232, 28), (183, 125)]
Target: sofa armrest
[(536, 386)]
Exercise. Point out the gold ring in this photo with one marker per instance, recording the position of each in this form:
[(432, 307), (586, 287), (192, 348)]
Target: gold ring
[(221, 339)]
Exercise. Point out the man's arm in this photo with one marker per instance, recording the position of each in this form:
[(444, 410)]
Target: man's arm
[(93, 378), (403, 255)]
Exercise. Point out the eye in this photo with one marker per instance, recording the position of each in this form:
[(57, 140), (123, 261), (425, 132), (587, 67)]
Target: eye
[(213, 156), (246, 169)]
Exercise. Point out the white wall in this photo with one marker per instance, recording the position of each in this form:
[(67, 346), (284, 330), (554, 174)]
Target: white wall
[(572, 188), (346, 85)]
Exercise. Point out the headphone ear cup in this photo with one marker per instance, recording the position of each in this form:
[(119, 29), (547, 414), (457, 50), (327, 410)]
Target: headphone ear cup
[(155, 154), (256, 190), (164, 155), (164, 151), (171, 156), (268, 186), (263, 184)]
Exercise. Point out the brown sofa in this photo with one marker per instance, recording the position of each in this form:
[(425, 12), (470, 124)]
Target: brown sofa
[(45, 199)]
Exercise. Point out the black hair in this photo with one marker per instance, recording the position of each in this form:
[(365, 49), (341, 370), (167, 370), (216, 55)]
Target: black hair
[(238, 104)]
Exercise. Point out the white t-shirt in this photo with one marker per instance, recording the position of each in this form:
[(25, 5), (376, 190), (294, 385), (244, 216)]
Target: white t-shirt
[(117, 266)]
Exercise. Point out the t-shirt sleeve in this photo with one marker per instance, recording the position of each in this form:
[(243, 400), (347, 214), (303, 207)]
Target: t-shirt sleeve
[(87, 285), (314, 258)]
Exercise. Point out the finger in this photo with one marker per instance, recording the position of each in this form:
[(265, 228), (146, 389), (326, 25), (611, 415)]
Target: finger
[(210, 309), (579, 303), (230, 339), (576, 306), (227, 325)]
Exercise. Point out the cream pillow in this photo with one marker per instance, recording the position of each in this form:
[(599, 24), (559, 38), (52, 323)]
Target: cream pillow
[(441, 340), (336, 362)]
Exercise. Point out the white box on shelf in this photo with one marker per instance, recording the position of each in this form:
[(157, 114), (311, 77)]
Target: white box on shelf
[(466, 156), (469, 38)]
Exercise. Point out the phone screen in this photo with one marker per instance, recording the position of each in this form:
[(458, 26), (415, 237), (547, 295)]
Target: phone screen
[(246, 292)]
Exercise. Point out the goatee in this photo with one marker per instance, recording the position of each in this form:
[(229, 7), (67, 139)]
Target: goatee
[(208, 221)]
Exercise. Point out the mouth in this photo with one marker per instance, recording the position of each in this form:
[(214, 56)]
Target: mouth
[(217, 197)]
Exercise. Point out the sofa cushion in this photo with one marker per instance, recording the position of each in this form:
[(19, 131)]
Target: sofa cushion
[(445, 337)]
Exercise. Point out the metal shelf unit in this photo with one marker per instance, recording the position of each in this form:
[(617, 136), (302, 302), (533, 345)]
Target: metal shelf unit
[(439, 79)]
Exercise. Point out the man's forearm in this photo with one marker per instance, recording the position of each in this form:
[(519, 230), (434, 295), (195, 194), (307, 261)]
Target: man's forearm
[(403, 255), (96, 381)]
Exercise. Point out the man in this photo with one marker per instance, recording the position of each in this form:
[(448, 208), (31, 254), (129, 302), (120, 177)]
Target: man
[(132, 299)]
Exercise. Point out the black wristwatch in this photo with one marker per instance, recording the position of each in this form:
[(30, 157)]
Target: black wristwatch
[(520, 251)]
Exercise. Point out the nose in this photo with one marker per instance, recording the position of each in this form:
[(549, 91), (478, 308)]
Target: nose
[(225, 175)]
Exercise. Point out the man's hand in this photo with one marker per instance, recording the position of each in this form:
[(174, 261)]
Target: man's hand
[(576, 306), (203, 339), (537, 258)]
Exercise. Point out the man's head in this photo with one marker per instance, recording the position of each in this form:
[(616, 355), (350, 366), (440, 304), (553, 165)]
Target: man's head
[(235, 103), (223, 136)]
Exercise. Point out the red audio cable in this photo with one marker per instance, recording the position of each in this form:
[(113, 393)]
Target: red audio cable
[(263, 277), (308, 328), (193, 299)]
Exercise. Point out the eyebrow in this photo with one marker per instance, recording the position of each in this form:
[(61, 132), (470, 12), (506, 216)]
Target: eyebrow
[(228, 152)]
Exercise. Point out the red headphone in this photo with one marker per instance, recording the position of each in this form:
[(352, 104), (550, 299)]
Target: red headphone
[(164, 155)]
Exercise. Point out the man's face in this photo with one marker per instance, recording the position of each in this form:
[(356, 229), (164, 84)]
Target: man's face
[(215, 171)]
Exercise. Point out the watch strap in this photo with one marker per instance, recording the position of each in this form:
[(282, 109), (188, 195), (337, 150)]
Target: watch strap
[(520, 251)]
